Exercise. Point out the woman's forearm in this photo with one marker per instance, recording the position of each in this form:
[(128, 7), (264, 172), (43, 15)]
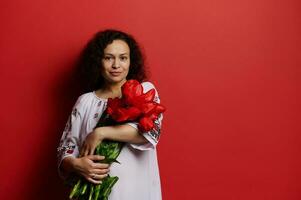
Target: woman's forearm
[(121, 133), (67, 165)]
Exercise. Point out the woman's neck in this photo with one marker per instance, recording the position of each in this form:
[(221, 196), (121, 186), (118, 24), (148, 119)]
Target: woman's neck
[(113, 88)]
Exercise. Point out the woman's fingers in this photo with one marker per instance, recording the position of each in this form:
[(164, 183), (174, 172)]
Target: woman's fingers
[(87, 150), (100, 171), (91, 151), (81, 153), (90, 144), (101, 165), (96, 157), (98, 177), (94, 181), (96, 165), (83, 150)]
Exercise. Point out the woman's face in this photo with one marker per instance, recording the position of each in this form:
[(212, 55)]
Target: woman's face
[(116, 61)]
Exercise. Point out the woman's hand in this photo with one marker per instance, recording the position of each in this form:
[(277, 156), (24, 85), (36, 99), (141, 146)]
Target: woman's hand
[(92, 140), (94, 172)]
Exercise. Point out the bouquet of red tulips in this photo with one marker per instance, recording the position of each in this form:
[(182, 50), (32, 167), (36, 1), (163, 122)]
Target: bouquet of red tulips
[(134, 105)]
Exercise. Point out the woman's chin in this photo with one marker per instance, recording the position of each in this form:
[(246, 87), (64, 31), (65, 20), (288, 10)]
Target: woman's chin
[(117, 79)]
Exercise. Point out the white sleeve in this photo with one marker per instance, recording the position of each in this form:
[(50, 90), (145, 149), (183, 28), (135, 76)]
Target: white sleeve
[(69, 142), (153, 135)]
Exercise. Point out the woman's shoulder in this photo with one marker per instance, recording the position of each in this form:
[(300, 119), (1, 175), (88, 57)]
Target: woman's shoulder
[(147, 85), (84, 100), (85, 97)]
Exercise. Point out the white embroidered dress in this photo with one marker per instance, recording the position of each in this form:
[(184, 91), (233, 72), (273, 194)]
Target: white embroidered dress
[(138, 172)]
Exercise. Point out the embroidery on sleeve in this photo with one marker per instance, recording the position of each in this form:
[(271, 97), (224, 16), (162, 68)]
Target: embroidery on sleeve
[(66, 149), (68, 126), (74, 112), (155, 132)]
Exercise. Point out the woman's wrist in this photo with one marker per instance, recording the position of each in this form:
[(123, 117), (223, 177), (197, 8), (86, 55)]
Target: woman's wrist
[(69, 164), (101, 133)]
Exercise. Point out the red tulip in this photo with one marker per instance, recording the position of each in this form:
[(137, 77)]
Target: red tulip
[(113, 105), (130, 90), (135, 105), (146, 124)]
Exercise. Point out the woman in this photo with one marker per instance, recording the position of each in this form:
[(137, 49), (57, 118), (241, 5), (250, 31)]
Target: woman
[(111, 58)]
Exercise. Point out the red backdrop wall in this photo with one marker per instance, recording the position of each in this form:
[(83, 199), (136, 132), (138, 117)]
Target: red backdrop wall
[(228, 72)]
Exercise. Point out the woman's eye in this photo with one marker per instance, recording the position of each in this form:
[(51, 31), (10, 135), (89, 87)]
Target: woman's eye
[(123, 58), (107, 58)]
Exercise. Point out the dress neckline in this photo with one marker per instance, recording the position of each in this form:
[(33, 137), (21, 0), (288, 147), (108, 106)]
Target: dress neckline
[(100, 98)]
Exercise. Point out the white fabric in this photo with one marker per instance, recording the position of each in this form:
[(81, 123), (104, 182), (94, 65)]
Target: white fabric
[(138, 172)]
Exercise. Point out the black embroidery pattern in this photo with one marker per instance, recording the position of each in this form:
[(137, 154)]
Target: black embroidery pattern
[(68, 126), (63, 149), (74, 112), (155, 132)]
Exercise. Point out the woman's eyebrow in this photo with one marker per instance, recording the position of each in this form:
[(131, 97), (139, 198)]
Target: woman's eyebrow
[(113, 54)]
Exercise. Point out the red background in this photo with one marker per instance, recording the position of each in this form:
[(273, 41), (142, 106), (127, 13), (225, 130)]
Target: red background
[(228, 72)]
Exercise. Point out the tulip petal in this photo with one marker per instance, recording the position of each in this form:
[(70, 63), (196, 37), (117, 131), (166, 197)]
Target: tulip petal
[(146, 124), (149, 96)]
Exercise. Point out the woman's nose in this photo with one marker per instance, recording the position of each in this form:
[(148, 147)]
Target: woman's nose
[(116, 63)]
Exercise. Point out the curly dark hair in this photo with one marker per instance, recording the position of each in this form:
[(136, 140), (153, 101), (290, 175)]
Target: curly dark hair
[(90, 60)]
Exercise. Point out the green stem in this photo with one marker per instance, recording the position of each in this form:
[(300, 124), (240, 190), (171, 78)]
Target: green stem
[(91, 191), (84, 189), (97, 191), (75, 189)]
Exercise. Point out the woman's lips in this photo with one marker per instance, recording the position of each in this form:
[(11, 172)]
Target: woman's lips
[(115, 73)]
